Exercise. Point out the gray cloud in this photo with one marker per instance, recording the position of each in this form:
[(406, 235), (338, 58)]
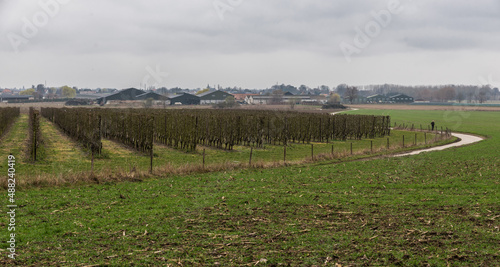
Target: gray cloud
[(109, 44)]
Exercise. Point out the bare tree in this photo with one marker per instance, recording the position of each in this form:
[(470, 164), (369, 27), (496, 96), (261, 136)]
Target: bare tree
[(470, 96), (351, 93), (448, 93), (495, 93), (40, 91), (460, 97), (277, 96), (483, 95)]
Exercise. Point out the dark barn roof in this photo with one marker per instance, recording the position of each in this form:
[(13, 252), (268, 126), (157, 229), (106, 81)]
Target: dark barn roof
[(214, 95), (399, 98), (14, 97), (130, 94), (152, 95), (184, 99)]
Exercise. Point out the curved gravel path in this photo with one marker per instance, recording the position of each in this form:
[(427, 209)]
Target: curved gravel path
[(465, 139)]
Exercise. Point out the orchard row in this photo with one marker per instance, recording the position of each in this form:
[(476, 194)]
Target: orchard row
[(185, 129)]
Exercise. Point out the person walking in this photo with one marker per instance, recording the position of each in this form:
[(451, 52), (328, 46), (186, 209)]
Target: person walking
[(432, 125)]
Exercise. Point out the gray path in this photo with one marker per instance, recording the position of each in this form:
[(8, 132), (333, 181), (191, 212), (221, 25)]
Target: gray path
[(466, 139)]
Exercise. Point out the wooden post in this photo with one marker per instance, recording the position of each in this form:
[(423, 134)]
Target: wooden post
[(284, 154), (151, 150), (250, 161), (92, 160), (403, 141), (415, 143), (34, 142), (351, 148), (371, 146), (425, 138), (203, 158), (151, 159), (332, 150), (35, 130), (312, 151), (387, 143)]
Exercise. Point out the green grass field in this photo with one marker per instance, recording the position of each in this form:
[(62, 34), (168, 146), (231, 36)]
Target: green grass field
[(439, 209)]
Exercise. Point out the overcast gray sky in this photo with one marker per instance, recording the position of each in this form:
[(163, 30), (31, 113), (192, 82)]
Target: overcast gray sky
[(248, 43)]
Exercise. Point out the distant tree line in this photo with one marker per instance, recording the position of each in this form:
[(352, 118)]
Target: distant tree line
[(42, 92), (438, 93), (433, 93)]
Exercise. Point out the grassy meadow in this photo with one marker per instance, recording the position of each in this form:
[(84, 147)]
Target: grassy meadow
[(438, 209)]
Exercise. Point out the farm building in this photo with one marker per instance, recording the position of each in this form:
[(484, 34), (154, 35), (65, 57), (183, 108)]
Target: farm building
[(123, 95), (151, 95), (270, 99), (395, 98), (401, 98), (214, 97), (130, 94), (184, 99), (14, 98), (240, 98), (319, 99), (94, 96), (378, 98)]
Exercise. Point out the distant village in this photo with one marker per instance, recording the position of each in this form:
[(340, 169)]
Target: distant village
[(276, 95)]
